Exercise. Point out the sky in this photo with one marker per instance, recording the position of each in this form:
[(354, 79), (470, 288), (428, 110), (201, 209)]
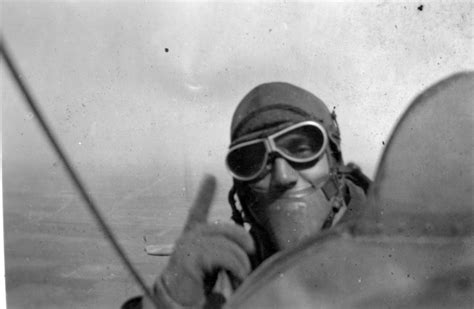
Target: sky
[(145, 90)]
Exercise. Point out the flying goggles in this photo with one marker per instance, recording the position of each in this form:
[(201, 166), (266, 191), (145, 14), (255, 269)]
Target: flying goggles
[(299, 143)]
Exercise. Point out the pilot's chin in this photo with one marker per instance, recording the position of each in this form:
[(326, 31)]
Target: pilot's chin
[(292, 220)]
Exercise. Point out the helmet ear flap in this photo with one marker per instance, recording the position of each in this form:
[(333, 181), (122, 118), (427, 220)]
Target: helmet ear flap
[(242, 215), (237, 215)]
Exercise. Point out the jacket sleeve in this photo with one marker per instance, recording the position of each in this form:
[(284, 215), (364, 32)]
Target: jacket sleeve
[(162, 299), (356, 175), (216, 299)]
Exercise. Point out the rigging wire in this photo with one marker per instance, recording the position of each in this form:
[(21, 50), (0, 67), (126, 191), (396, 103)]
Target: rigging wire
[(70, 169)]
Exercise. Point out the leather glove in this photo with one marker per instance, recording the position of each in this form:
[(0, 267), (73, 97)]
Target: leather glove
[(203, 250)]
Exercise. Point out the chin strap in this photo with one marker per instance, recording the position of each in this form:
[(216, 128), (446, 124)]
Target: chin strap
[(333, 190)]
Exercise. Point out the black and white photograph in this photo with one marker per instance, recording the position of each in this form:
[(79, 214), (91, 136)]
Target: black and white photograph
[(128, 126)]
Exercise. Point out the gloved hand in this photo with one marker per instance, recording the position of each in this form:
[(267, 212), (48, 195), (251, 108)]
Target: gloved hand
[(203, 250)]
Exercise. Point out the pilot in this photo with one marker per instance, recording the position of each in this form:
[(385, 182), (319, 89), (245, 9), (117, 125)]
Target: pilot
[(289, 182)]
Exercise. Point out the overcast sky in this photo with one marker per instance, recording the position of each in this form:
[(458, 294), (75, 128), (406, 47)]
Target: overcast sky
[(150, 87)]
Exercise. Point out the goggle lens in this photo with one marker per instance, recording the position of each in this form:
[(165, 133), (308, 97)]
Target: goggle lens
[(247, 160), (300, 143)]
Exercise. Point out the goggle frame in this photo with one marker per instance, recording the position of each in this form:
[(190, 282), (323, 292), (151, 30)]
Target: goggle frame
[(271, 147)]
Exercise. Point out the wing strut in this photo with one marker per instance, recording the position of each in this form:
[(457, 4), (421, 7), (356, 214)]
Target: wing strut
[(70, 170)]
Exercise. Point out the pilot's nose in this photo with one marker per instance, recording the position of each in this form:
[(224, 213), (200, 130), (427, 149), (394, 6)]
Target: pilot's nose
[(284, 176)]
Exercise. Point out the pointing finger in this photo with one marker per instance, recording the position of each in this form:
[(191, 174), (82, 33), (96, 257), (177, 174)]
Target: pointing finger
[(200, 209)]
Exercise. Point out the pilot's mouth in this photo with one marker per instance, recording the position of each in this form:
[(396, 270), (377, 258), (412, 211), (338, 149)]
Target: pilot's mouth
[(292, 193)]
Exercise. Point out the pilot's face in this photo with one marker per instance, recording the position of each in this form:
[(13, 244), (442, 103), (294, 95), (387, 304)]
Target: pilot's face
[(289, 202), (283, 174)]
